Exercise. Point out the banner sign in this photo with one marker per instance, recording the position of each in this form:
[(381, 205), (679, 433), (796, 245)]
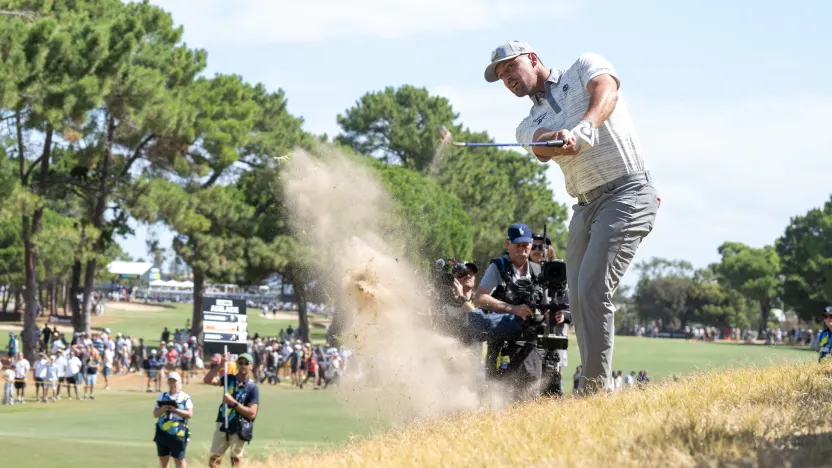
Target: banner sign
[(224, 324)]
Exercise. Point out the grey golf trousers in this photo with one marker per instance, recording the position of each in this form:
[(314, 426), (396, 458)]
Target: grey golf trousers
[(604, 235)]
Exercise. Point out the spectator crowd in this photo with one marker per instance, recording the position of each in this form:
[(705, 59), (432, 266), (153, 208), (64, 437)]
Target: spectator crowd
[(82, 364)]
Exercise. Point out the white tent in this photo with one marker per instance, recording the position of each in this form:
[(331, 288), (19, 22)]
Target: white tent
[(172, 284)]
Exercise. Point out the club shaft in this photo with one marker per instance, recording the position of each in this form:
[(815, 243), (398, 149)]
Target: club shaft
[(555, 143)]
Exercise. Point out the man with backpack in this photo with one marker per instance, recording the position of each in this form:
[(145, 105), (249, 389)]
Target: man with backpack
[(240, 404), (496, 317)]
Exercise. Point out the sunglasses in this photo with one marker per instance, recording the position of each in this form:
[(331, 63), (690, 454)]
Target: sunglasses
[(538, 247), (243, 362)]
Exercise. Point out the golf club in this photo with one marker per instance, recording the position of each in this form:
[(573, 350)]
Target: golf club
[(446, 137)]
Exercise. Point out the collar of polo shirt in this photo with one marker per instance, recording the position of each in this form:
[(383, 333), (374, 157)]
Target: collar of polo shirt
[(554, 77)]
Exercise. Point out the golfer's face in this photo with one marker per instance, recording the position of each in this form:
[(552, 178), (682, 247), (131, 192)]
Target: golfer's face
[(173, 385), (516, 75)]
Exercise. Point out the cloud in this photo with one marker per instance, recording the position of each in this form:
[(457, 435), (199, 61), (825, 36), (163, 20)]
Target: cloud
[(734, 171), (282, 21)]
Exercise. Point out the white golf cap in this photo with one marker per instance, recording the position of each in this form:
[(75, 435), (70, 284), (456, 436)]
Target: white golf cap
[(502, 53), (174, 376)]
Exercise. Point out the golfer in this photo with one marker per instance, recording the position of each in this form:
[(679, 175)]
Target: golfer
[(241, 400), (173, 410), (604, 169)]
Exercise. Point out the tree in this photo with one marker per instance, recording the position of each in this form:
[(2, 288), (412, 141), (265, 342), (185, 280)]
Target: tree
[(435, 219), (754, 272), (714, 304), (396, 125), (141, 125), (497, 187), (805, 249), (55, 68), (237, 127), (665, 299)]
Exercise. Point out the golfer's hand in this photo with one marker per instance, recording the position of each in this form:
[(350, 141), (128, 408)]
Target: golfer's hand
[(521, 311), (228, 399), (569, 148)]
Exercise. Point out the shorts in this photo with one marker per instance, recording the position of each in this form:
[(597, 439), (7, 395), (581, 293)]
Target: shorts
[(70, 380), (170, 366), (38, 382), (62, 379), (151, 374), (106, 372), (171, 446), (219, 445), (91, 379), (186, 366), (19, 384)]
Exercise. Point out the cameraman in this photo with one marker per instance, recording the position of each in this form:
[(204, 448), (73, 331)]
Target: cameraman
[(456, 296), (506, 321)]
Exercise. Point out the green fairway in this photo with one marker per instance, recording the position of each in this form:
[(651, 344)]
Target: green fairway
[(662, 358), (117, 428)]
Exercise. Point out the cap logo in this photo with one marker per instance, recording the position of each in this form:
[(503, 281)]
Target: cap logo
[(520, 230)]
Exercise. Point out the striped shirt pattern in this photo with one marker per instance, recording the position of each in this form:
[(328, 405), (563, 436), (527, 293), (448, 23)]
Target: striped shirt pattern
[(616, 153)]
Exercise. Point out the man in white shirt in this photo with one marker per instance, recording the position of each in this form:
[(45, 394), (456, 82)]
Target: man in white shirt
[(61, 365), (40, 377), (109, 356), (73, 373), (604, 169), (21, 368)]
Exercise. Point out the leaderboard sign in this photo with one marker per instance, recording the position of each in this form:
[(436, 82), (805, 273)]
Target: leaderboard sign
[(224, 324)]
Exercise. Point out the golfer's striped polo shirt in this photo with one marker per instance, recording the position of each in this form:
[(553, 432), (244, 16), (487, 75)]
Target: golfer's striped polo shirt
[(616, 153)]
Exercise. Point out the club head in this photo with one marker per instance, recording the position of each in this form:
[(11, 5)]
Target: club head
[(444, 134)]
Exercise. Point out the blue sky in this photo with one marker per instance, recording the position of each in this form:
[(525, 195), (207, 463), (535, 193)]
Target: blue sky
[(730, 99)]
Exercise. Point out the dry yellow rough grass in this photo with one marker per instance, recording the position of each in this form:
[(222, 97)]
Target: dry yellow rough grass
[(772, 416)]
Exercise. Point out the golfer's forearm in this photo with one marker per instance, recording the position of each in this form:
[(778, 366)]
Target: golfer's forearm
[(543, 153), (603, 96)]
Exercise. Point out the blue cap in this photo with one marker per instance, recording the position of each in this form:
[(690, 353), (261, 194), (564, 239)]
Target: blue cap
[(518, 233)]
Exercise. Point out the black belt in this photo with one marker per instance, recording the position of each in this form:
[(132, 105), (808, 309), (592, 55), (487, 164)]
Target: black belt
[(588, 197)]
